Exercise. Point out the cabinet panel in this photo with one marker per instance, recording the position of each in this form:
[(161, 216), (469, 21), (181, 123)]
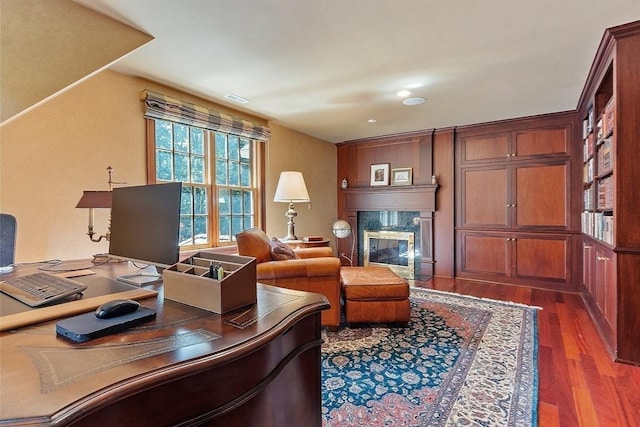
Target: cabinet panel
[(542, 257), (542, 142), (485, 147), (485, 197), (485, 253), (606, 294), (540, 195)]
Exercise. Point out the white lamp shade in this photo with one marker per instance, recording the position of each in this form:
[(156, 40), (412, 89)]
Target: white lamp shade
[(291, 188)]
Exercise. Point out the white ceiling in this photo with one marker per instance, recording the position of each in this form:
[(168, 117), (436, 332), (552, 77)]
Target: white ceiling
[(324, 67)]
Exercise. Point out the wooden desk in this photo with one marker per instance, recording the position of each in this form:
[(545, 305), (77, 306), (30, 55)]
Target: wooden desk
[(259, 365)]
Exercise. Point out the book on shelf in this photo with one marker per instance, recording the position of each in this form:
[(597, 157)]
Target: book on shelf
[(605, 164), (608, 118)]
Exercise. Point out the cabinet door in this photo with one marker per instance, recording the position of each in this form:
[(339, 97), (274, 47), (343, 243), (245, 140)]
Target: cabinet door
[(606, 282), (484, 198), (542, 257), (484, 253), (539, 197), (588, 267), (485, 147), (541, 142)]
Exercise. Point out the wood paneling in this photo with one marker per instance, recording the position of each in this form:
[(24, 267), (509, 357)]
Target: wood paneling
[(485, 197), (542, 142)]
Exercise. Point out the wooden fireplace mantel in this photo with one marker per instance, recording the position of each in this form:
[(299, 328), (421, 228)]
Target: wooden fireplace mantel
[(420, 198)]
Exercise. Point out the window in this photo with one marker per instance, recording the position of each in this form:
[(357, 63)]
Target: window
[(218, 175)]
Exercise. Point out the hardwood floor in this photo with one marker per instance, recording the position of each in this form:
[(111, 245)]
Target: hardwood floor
[(579, 384)]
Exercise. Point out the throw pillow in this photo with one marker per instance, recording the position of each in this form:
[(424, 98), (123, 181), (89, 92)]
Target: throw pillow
[(280, 251)]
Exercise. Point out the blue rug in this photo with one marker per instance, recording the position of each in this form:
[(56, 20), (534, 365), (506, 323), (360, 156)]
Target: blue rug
[(462, 361)]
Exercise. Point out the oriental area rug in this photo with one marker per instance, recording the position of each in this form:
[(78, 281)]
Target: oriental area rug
[(462, 361)]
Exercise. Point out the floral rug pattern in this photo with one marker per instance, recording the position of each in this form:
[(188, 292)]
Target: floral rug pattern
[(462, 361)]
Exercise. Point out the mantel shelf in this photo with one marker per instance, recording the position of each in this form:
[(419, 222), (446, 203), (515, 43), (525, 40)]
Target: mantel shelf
[(405, 198)]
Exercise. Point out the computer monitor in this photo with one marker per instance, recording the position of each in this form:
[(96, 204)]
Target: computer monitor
[(145, 228)]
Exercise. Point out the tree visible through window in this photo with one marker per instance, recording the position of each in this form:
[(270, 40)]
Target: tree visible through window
[(217, 171)]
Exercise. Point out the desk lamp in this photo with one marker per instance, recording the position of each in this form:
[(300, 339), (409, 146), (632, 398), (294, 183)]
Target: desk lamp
[(97, 200), (291, 188)]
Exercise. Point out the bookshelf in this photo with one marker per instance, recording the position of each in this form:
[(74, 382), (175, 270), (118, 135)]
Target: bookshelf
[(609, 108)]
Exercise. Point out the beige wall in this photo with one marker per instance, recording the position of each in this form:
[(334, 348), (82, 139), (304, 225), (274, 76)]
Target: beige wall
[(317, 160), (50, 154)]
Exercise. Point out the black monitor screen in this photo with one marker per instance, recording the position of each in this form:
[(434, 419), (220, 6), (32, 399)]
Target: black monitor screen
[(145, 223)]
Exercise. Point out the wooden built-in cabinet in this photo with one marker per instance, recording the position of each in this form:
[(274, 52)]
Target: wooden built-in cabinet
[(515, 221), (610, 112)]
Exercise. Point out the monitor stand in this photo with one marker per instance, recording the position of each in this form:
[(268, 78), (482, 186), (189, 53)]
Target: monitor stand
[(142, 278)]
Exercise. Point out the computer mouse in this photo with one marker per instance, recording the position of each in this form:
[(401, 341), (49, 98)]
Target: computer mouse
[(116, 308)]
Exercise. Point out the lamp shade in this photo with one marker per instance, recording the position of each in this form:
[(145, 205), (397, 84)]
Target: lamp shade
[(291, 188), (341, 229), (95, 199)]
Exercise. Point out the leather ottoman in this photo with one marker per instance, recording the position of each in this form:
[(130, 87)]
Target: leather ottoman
[(374, 295)]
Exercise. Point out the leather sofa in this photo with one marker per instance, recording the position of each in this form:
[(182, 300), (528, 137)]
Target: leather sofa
[(308, 269)]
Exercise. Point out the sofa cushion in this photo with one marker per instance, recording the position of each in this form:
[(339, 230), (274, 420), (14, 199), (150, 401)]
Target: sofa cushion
[(255, 243), (280, 251)]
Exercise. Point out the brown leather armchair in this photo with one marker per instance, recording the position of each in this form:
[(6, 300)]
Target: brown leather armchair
[(312, 269)]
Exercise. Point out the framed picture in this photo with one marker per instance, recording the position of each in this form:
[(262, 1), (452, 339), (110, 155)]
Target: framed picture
[(379, 174), (401, 176)]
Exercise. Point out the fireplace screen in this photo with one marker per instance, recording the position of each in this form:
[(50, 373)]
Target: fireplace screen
[(393, 249)]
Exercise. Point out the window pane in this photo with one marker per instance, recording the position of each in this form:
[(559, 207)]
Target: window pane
[(163, 135), (164, 166), (197, 169), (245, 150), (248, 222), (186, 202), (221, 172), (224, 202), (245, 175), (185, 231), (200, 201), (181, 138), (200, 231), (236, 202), (221, 146), (224, 229), (182, 167), (234, 148), (234, 173), (197, 141), (236, 224), (248, 202)]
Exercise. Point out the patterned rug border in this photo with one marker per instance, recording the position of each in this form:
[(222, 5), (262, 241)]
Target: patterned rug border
[(496, 301)]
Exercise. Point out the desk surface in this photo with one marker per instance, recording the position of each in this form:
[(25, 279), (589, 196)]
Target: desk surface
[(202, 365)]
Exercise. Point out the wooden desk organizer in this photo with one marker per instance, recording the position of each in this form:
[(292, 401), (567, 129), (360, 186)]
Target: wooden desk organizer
[(188, 282)]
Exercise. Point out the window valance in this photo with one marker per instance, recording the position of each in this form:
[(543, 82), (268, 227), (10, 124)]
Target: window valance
[(158, 106)]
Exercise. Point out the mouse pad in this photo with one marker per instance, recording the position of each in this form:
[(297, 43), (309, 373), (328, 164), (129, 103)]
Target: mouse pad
[(87, 326)]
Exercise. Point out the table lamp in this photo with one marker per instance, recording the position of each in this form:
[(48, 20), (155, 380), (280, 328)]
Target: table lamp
[(291, 188)]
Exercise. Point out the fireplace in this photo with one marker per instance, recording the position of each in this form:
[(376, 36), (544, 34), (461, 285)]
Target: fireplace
[(393, 249), (403, 209)]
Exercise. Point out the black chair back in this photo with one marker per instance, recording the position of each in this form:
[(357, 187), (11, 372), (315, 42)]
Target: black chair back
[(8, 225)]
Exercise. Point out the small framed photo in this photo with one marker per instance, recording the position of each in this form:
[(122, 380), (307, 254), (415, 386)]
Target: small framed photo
[(379, 174), (401, 176)]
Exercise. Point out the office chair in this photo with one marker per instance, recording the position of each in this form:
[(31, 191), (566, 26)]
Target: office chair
[(8, 226)]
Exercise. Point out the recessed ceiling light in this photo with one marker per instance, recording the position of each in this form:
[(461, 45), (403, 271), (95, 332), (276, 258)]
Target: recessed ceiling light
[(236, 98), (403, 93), (413, 101), (371, 120)]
